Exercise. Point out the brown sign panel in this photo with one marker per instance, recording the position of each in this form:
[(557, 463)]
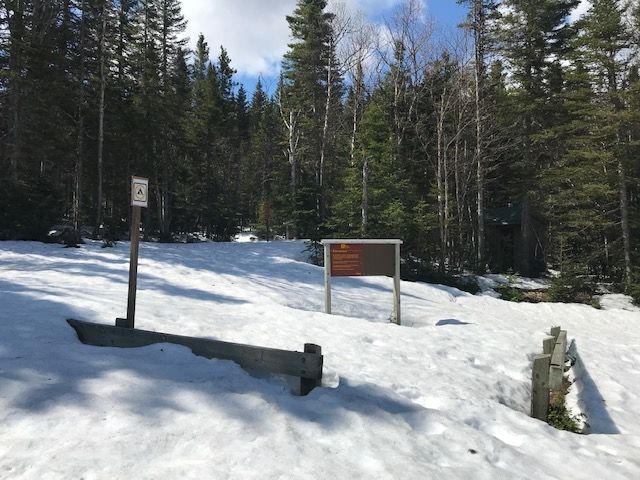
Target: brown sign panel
[(361, 260), (346, 260), (379, 260)]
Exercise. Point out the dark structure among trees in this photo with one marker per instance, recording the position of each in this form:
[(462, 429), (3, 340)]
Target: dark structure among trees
[(515, 240)]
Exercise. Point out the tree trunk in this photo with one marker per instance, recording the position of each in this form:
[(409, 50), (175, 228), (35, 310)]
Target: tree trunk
[(323, 143), (459, 200), (365, 196), (624, 223), (479, 33), (357, 102), (16, 36), (16, 153), (440, 184), (103, 81), (445, 179), (122, 21), (165, 200), (293, 163), (77, 173)]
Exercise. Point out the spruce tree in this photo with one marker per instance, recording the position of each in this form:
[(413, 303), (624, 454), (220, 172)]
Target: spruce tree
[(480, 13), (603, 44), (309, 75), (533, 34)]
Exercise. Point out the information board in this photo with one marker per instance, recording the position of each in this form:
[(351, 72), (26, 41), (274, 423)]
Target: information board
[(346, 260), (363, 258)]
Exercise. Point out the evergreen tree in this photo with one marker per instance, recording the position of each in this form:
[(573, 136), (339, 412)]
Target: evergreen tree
[(268, 173), (601, 49), (310, 83), (202, 130), (534, 33), (480, 12)]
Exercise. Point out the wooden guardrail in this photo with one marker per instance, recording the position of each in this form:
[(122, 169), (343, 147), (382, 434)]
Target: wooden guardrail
[(548, 372), (307, 365)]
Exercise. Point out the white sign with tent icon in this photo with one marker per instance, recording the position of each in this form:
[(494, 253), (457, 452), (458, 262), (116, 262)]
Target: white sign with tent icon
[(139, 192)]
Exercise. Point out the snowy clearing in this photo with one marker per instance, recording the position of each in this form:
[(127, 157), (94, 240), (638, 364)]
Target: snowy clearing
[(523, 283), (446, 395)]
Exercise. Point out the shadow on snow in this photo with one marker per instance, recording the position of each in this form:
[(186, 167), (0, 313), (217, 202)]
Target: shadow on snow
[(44, 366)]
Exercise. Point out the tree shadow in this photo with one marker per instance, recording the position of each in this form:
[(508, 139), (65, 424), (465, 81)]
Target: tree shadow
[(44, 367), (451, 321), (97, 266), (591, 401)]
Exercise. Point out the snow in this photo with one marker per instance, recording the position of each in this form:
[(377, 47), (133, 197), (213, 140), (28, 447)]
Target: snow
[(617, 301), (244, 237), (490, 281), (444, 396)]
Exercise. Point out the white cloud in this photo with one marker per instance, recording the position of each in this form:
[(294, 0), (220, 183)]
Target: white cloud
[(369, 7), (254, 32)]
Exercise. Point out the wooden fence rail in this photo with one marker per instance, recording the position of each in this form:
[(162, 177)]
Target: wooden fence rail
[(548, 372), (307, 365)]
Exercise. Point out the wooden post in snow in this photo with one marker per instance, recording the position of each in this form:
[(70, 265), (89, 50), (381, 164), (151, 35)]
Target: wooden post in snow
[(540, 387), (139, 199), (396, 287), (308, 384), (327, 279), (557, 362), (133, 267), (548, 344), (307, 365)]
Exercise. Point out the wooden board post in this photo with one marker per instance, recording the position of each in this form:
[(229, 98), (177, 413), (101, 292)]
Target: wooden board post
[(540, 387), (396, 288), (557, 362), (555, 331), (308, 384), (548, 344), (307, 365), (133, 267), (139, 199), (327, 279)]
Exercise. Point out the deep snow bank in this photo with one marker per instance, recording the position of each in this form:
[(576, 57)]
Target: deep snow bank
[(444, 396)]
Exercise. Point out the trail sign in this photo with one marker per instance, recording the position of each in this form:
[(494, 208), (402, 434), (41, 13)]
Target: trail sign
[(139, 198), (346, 260), (362, 258), (139, 192)]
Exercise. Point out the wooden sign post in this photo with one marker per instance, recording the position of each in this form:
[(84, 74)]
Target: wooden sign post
[(361, 258), (139, 200)]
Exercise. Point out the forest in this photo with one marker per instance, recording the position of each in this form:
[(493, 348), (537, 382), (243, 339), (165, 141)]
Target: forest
[(520, 123)]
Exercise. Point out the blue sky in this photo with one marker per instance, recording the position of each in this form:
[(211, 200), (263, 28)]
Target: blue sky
[(255, 32)]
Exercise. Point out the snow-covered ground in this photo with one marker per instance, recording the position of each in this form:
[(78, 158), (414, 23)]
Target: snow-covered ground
[(617, 301), (488, 282), (446, 395)]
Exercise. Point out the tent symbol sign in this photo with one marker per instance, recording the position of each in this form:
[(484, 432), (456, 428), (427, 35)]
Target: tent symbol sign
[(139, 192)]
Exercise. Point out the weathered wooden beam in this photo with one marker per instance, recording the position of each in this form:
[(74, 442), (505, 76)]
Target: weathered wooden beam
[(133, 267), (540, 387), (308, 384), (396, 318), (555, 331), (327, 279), (557, 362), (548, 344), (307, 365)]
